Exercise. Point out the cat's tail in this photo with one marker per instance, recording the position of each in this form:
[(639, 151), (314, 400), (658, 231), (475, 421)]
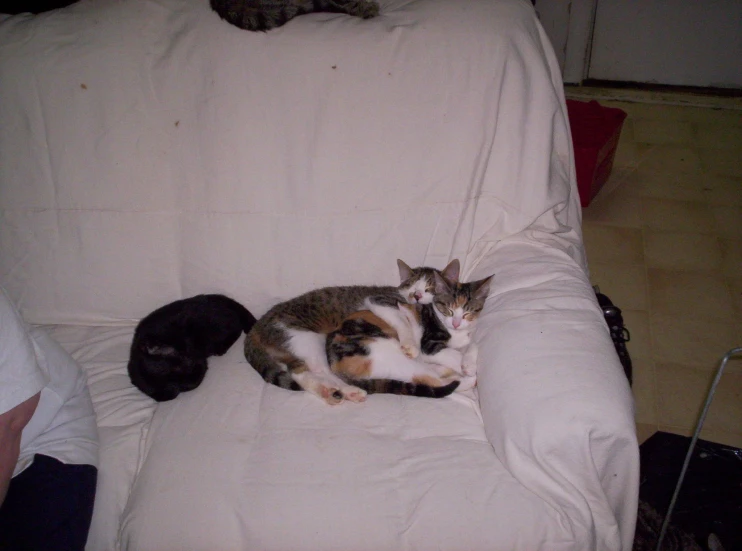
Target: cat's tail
[(268, 368), (391, 386), (247, 320)]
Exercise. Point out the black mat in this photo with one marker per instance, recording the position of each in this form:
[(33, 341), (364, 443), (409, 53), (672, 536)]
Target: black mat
[(711, 496)]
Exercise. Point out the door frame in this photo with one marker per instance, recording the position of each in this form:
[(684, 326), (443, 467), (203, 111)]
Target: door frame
[(569, 26)]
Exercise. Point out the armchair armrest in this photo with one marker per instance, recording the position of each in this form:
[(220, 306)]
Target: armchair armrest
[(556, 405)]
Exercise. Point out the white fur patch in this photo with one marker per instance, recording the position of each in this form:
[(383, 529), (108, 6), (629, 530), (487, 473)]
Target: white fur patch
[(419, 288), (388, 362), (310, 347)]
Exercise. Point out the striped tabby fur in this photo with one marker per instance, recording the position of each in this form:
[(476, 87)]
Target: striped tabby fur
[(263, 15)]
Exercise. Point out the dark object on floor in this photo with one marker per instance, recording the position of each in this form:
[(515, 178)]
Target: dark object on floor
[(648, 528), (171, 345), (595, 133), (710, 500), (619, 334), (32, 6)]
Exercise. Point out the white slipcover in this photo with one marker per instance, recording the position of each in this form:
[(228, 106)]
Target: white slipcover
[(150, 151)]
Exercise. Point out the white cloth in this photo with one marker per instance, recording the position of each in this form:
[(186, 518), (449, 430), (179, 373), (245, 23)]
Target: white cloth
[(20, 375), (63, 425)]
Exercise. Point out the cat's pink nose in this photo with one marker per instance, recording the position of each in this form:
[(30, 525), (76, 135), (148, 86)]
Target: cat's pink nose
[(418, 295), (456, 324)]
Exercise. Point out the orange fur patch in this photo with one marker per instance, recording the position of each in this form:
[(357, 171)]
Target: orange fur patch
[(354, 367), (427, 380)]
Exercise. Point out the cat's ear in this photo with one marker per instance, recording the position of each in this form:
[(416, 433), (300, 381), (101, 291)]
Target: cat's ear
[(441, 285), (451, 272), (405, 272), (158, 350), (481, 288)]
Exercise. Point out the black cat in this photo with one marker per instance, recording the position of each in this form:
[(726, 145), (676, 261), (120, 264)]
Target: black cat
[(171, 345)]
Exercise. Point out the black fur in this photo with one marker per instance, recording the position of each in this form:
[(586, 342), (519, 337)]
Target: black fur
[(435, 337), (171, 345)]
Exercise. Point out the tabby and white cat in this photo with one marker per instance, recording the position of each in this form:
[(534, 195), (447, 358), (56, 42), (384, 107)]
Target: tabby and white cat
[(263, 15)]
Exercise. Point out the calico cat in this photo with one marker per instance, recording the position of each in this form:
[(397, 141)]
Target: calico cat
[(171, 345), (263, 15), (287, 346), (449, 321), (363, 352)]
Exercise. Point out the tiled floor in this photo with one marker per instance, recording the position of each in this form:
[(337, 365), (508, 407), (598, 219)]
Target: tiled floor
[(664, 242)]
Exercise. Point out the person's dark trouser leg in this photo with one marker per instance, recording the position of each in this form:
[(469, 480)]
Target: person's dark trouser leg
[(48, 507)]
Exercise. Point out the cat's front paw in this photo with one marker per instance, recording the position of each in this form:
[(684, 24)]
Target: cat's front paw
[(410, 350), (469, 368), (466, 383), (469, 362), (331, 395)]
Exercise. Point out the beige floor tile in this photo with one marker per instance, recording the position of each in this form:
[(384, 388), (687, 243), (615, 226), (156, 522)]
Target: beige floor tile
[(728, 221), (703, 296), (723, 190), (662, 131), (644, 431), (731, 257), (690, 341), (684, 390), (627, 154), (613, 244), (626, 285), (637, 322), (620, 179), (671, 185), (651, 111), (735, 288), (668, 215), (725, 162), (614, 209), (645, 391), (706, 116), (627, 131), (674, 159), (718, 136), (682, 251)]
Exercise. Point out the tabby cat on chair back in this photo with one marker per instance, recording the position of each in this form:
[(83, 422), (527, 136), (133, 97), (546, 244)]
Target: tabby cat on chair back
[(263, 15), (340, 343), (172, 344)]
